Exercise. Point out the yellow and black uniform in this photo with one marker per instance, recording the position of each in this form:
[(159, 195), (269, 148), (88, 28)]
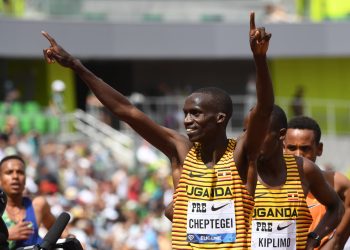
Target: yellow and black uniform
[(212, 207), (281, 218)]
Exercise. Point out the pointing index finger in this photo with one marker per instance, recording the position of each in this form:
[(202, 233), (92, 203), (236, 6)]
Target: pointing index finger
[(48, 37), (252, 20)]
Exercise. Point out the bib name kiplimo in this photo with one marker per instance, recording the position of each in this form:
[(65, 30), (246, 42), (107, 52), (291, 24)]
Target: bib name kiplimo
[(274, 242)]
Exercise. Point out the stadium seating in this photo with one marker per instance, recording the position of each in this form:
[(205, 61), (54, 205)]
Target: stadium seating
[(30, 117)]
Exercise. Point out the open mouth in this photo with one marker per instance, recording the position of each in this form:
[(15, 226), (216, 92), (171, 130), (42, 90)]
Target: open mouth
[(15, 185), (190, 130)]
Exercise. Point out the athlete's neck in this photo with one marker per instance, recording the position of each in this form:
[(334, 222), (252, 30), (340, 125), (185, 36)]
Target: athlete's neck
[(211, 153), (272, 172), (14, 201)]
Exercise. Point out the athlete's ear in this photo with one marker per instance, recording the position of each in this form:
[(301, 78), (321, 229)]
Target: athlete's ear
[(221, 117), (284, 144), (319, 149), (283, 132)]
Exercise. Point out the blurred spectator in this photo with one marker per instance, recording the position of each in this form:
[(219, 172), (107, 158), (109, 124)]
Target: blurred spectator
[(250, 99), (23, 216), (3, 145), (12, 7), (102, 195), (58, 105), (12, 94), (276, 14), (11, 127), (297, 104), (121, 183), (122, 210), (97, 109)]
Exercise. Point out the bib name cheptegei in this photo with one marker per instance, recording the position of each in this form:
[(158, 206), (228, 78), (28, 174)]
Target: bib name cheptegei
[(211, 221)]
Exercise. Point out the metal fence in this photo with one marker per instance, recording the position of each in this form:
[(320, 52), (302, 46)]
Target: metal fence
[(332, 115)]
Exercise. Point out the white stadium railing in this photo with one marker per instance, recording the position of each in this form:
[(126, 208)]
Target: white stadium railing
[(333, 116)]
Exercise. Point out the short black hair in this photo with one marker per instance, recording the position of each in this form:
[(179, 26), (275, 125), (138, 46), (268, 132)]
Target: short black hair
[(305, 122), (12, 157), (4, 137), (278, 118), (221, 98)]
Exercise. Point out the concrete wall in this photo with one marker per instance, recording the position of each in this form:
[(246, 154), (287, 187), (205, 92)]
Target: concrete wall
[(22, 38)]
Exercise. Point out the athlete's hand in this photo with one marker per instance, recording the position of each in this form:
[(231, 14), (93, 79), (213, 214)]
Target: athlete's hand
[(21, 231), (258, 37), (332, 244), (55, 53)]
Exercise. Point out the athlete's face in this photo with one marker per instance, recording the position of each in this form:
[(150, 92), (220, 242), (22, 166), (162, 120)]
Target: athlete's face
[(301, 142), (12, 177), (271, 141), (201, 117), (270, 145)]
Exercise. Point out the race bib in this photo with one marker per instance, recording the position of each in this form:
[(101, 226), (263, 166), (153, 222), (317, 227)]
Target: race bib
[(273, 235), (211, 221)]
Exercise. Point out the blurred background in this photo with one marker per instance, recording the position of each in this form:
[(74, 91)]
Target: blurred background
[(156, 52)]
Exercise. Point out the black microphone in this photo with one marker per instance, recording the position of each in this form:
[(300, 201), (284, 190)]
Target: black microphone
[(3, 201), (4, 234), (69, 244), (50, 239)]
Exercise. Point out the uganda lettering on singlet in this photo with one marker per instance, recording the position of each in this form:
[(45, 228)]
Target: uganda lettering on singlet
[(281, 218), (276, 212), (215, 192), (212, 208)]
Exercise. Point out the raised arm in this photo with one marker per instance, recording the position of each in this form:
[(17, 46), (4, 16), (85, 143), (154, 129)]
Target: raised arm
[(162, 138), (259, 117), (260, 114), (326, 195), (342, 232)]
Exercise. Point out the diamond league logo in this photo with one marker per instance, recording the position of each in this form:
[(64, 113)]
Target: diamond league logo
[(190, 237)]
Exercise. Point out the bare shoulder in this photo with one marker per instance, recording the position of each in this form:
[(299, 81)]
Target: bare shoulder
[(240, 155), (309, 166), (309, 171), (341, 184), (180, 140), (330, 177), (240, 144), (183, 145), (318, 185), (43, 212), (301, 165), (341, 179), (337, 180), (183, 139), (39, 202)]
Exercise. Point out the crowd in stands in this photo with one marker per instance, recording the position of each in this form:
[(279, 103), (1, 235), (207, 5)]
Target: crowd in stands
[(112, 206)]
